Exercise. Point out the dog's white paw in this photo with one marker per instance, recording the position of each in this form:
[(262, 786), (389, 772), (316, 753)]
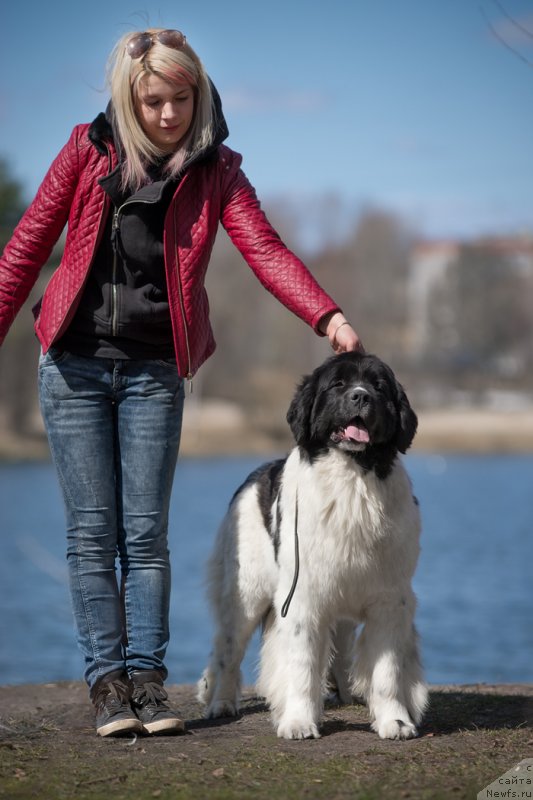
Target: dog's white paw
[(297, 729), (395, 729), (222, 708), (203, 688)]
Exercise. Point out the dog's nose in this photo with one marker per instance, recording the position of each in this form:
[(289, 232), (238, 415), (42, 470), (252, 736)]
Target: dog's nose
[(360, 396)]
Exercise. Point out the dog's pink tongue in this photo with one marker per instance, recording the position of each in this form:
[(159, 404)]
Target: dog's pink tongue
[(357, 434)]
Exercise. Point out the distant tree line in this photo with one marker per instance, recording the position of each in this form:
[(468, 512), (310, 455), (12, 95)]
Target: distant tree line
[(479, 333), (481, 315)]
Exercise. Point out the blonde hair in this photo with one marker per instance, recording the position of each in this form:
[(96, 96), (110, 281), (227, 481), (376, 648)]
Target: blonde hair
[(174, 66)]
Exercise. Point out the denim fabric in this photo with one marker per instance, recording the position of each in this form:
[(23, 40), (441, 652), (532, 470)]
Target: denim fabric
[(114, 430)]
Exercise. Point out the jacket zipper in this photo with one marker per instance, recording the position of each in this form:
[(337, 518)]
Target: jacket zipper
[(189, 375), (114, 284), (114, 269), (114, 289)]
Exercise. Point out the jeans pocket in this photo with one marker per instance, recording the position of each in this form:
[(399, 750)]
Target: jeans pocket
[(169, 363), (52, 357)]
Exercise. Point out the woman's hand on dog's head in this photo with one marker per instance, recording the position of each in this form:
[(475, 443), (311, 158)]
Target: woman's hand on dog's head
[(341, 335)]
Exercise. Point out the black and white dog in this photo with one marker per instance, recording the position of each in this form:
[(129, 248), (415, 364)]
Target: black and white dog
[(317, 543)]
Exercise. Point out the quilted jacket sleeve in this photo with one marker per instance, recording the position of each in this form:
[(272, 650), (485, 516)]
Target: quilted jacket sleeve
[(278, 269), (37, 232)]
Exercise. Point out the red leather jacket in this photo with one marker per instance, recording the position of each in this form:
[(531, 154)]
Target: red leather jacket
[(210, 191)]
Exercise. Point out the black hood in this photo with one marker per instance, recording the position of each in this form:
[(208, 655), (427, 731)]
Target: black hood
[(103, 129)]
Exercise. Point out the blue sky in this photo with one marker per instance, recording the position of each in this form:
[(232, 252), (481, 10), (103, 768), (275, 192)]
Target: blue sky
[(413, 106)]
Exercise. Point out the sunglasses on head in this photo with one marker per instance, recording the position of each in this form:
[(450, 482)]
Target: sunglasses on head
[(140, 43)]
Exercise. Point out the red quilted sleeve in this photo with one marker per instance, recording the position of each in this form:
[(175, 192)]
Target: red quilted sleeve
[(37, 232), (277, 267)]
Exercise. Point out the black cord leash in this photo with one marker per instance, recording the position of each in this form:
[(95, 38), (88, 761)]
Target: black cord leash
[(286, 604)]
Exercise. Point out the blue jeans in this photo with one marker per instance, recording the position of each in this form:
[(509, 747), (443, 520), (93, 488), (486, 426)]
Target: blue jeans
[(114, 430)]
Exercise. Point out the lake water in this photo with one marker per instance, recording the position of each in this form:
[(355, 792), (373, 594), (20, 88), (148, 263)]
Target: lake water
[(474, 580)]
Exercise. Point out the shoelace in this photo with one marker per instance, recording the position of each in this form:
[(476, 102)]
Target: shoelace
[(149, 693), (114, 693)]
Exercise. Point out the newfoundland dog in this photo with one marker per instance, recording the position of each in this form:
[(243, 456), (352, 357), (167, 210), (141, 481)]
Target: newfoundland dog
[(318, 543)]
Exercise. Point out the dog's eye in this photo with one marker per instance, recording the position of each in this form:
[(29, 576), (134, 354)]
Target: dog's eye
[(337, 384)]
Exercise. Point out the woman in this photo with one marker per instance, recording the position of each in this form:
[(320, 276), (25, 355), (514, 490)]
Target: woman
[(123, 321)]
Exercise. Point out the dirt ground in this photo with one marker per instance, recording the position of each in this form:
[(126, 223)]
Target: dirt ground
[(470, 737)]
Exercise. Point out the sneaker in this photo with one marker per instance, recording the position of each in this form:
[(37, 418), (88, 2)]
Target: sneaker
[(148, 701), (111, 699)]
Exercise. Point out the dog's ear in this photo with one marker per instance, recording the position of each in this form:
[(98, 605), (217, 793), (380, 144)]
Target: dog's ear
[(407, 420), (300, 409)]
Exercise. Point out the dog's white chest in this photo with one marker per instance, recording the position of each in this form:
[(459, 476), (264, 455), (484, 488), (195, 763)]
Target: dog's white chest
[(340, 504), (350, 527)]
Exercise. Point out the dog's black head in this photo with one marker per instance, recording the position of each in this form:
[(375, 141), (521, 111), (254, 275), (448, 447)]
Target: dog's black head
[(354, 403)]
